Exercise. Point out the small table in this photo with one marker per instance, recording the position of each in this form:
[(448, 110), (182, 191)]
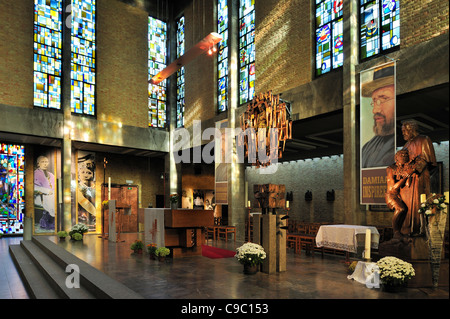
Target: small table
[(346, 237)]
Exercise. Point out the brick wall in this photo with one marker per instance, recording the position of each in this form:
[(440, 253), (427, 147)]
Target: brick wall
[(16, 53), (283, 43), (422, 20), (122, 63)]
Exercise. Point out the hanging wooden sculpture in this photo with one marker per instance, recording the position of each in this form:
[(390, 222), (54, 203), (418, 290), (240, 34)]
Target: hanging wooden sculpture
[(264, 114)]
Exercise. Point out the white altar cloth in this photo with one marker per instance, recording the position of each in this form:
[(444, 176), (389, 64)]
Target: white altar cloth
[(366, 273), (346, 237)]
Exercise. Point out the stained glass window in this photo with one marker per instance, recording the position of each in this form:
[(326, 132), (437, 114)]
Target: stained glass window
[(222, 57), (83, 57), (157, 56), (180, 73), (246, 50), (12, 188), (380, 26), (47, 53), (329, 35)]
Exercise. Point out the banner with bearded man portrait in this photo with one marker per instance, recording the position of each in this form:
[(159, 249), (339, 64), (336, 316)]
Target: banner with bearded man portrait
[(378, 131)]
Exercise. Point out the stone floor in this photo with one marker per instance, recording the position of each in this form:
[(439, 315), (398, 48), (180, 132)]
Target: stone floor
[(197, 277)]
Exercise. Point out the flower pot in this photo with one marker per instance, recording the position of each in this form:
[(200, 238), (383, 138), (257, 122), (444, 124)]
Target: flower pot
[(393, 288), (62, 238), (250, 269), (162, 258), (138, 251)]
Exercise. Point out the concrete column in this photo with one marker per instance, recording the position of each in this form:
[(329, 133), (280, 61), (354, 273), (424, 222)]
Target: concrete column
[(351, 127), (236, 173), (66, 152)]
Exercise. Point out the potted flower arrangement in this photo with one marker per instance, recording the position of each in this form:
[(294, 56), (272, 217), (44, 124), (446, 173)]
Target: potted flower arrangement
[(105, 204), (251, 255), (137, 246), (394, 273), (151, 248), (78, 229), (62, 235), (77, 236), (174, 201), (162, 252)]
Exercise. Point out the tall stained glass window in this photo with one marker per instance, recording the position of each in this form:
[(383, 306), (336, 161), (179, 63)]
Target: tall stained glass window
[(222, 57), (47, 53), (329, 35), (379, 26), (246, 50), (83, 57), (157, 56), (180, 73), (12, 188)]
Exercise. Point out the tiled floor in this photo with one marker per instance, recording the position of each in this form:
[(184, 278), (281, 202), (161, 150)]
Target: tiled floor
[(198, 277)]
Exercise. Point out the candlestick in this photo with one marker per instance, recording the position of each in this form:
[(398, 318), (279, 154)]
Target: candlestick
[(423, 198), (367, 249), (109, 188)]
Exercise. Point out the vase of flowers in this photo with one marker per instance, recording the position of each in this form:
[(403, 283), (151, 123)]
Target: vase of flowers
[(435, 211), (137, 246), (162, 253), (151, 248), (174, 201), (251, 255), (78, 229), (394, 273)]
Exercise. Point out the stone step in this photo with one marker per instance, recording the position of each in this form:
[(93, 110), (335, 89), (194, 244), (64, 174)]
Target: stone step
[(34, 281), (98, 283), (55, 274)]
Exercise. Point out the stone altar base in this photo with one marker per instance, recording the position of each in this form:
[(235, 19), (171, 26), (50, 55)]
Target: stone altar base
[(415, 251)]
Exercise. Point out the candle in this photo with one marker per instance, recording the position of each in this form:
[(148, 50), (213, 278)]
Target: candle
[(423, 198), (249, 204), (367, 250), (109, 188), (446, 197), (287, 204)]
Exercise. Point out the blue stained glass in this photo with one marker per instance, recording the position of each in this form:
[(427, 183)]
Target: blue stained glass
[(246, 50), (379, 26), (12, 192), (222, 56), (329, 35), (83, 64), (47, 53), (180, 73), (157, 56)]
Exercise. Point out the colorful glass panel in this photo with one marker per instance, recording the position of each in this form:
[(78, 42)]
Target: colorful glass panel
[(246, 50), (329, 35), (157, 59), (83, 64), (379, 26), (180, 73), (47, 53), (12, 188), (222, 56)]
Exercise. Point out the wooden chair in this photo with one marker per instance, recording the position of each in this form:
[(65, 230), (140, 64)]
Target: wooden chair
[(210, 231), (225, 230)]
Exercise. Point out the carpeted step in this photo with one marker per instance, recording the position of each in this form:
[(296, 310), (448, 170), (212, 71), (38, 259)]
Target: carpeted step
[(34, 281), (98, 283), (53, 273)]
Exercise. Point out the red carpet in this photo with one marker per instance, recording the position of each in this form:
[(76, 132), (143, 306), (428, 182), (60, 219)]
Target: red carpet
[(214, 252)]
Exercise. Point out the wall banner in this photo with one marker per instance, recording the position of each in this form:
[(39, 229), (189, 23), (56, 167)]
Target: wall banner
[(377, 130)]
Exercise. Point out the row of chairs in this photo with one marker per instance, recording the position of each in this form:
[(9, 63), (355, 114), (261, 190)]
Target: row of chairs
[(220, 232)]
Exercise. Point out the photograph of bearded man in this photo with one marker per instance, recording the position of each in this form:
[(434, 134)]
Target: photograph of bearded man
[(379, 151)]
